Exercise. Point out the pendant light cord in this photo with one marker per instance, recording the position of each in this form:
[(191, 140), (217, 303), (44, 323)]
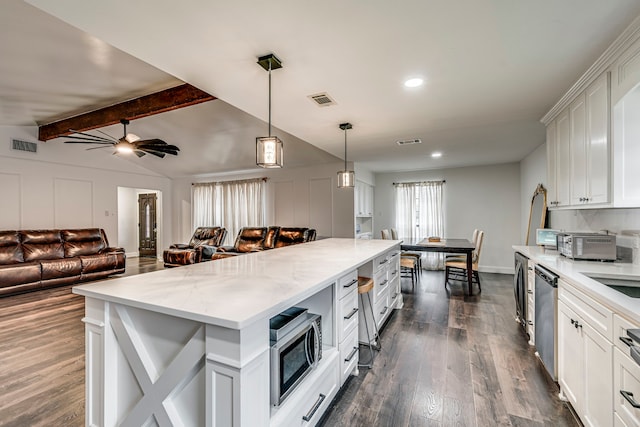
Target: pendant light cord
[(269, 97), (345, 148)]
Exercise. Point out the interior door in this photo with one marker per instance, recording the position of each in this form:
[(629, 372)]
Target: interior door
[(147, 225)]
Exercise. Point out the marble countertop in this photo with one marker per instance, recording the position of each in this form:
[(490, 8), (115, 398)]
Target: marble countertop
[(576, 273), (235, 292)]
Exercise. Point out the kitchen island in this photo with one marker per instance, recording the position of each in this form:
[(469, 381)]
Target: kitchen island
[(190, 345)]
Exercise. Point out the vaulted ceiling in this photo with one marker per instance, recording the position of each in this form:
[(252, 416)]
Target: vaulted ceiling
[(492, 68)]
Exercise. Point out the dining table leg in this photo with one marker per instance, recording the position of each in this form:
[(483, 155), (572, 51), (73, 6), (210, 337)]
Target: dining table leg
[(470, 272)]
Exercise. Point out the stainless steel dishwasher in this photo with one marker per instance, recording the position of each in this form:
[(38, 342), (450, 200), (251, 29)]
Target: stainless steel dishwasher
[(546, 331)]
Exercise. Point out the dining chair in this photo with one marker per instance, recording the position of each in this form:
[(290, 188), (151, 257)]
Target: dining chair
[(386, 235), (462, 257), (409, 268), (416, 255), (457, 270)]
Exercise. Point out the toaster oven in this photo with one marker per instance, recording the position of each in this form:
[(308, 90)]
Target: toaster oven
[(587, 246)]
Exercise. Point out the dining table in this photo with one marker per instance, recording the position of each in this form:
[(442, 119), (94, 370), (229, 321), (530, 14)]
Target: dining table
[(455, 246)]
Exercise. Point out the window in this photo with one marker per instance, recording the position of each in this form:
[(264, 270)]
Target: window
[(229, 204), (419, 214)]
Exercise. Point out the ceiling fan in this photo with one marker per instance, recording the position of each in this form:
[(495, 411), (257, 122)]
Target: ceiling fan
[(129, 143)]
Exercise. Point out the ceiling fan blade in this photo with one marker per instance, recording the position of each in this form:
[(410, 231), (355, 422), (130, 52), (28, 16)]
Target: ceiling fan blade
[(97, 148), (154, 141), (82, 140), (152, 150), (139, 153), (155, 153), (106, 134), (92, 137)]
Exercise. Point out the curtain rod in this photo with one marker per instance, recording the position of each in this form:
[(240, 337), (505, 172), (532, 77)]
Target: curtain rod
[(240, 181), (420, 182)]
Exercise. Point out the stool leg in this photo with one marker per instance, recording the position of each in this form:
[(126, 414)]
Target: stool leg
[(375, 324), (366, 325)]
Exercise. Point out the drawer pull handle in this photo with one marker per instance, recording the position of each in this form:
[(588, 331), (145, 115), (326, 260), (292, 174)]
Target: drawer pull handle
[(394, 272), (353, 282), (313, 410), (529, 322), (351, 355), (629, 396), (383, 261), (530, 291), (384, 283), (627, 341), (394, 295), (384, 311), (576, 324), (350, 315)]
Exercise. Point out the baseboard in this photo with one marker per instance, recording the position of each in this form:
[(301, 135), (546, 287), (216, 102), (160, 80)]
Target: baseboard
[(132, 254), (495, 269)]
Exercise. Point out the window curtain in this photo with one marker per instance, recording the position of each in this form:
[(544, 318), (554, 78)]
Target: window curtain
[(419, 214), (230, 204)]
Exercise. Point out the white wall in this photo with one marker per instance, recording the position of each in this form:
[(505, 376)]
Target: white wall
[(533, 171), (289, 201), (64, 186), (484, 197)]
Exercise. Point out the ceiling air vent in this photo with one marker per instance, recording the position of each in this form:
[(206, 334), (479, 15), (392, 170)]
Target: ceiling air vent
[(409, 142), (31, 147), (322, 99)]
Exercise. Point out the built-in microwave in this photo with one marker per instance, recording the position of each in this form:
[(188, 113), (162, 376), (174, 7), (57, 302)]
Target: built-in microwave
[(294, 355)]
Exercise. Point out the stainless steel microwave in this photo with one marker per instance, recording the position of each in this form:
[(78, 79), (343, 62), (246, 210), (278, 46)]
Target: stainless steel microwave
[(294, 355), (587, 246)]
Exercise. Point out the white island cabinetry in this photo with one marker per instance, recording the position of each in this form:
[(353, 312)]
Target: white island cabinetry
[(190, 346)]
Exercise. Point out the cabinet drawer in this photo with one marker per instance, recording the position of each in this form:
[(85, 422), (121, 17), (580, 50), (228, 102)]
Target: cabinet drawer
[(348, 314), (617, 421), (598, 316), (393, 269), (380, 284), (380, 261), (620, 326), (348, 355), (381, 309), (347, 283), (626, 378)]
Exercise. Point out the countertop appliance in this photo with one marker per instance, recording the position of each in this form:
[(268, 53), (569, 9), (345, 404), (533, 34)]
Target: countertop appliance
[(546, 312), (294, 354), (520, 288), (587, 246)]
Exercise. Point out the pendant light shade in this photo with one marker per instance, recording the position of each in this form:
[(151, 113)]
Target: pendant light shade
[(269, 149), (346, 178)]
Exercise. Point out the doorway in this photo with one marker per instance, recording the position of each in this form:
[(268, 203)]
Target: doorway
[(147, 225)]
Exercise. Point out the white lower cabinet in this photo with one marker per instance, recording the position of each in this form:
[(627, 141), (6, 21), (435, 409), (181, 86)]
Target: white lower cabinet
[(585, 356), (626, 376), (348, 324), (531, 302)]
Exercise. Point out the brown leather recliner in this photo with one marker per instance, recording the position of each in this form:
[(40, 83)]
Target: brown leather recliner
[(201, 247), (253, 239), (34, 259)]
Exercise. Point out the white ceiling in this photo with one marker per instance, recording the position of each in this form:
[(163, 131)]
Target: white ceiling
[(493, 68)]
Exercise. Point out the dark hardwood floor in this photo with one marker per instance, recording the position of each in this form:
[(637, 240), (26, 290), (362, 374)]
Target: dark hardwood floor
[(42, 355), (452, 360), (446, 360)]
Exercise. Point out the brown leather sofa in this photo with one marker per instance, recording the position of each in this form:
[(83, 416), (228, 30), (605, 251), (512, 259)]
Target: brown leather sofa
[(253, 239), (200, 248), (35, 259)]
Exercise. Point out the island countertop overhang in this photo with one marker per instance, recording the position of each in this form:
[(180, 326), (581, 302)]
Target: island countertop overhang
[(235, 292)]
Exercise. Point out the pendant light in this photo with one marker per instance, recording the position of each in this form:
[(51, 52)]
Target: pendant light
[(346, 178), (269, 148)]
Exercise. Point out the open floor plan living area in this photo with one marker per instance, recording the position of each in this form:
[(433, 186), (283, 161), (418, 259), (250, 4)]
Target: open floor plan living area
[(275, 214)]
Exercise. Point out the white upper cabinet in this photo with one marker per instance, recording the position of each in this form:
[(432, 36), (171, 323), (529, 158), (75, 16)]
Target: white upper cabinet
[(363, 199), (578, 149)]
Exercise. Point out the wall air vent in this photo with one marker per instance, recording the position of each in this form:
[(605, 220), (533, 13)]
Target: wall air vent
[(322, 99), (19, 145), (409, 142)]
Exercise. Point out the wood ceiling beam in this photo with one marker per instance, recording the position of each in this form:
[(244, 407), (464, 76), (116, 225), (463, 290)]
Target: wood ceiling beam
[(148, 105)]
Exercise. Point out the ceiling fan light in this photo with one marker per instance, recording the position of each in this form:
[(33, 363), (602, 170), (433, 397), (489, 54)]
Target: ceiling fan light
[(346, 179), (269, 152), (131, 137), (123, 147)]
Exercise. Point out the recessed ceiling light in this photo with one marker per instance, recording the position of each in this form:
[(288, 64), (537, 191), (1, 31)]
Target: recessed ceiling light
[(414, 82), (436, 154)]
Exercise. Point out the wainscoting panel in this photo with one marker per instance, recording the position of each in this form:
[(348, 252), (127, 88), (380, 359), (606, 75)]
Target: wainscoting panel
[(10, 194), (284, 203), (73, 203), (321, 206)]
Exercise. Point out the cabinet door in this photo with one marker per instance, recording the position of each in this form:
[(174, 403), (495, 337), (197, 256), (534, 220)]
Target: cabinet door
[(551, 164), (369, 199), (598, 177), (563, 159), (598, 381), (570, 357), (578, 150)]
